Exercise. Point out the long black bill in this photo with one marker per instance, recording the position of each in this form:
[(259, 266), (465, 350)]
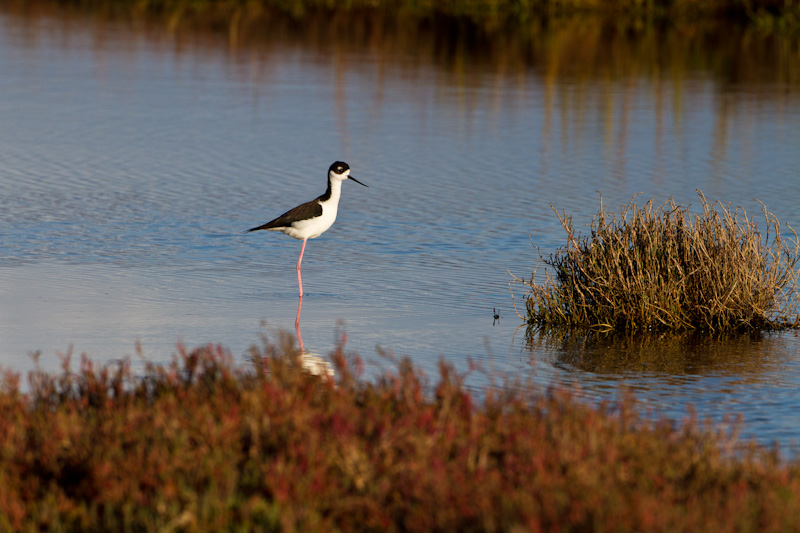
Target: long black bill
[(352, 178)]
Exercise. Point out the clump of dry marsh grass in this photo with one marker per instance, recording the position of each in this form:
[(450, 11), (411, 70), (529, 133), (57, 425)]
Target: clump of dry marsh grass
[(666, 269)]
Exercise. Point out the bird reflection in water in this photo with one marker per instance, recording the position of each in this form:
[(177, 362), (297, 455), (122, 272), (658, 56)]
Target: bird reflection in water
[(311, 362)]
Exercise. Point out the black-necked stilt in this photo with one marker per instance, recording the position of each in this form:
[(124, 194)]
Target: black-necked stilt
[(312, 219)]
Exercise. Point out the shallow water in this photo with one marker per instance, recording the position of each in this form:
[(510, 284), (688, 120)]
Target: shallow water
[(134, 156)]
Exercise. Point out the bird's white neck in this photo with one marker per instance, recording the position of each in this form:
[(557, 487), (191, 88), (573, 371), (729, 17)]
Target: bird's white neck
[(333, 193)]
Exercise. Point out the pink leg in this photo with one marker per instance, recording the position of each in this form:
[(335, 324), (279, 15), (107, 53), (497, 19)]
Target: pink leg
[(300, 277), (297, 325)]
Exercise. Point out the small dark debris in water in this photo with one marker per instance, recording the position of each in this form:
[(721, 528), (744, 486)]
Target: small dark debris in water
[(496, 316)]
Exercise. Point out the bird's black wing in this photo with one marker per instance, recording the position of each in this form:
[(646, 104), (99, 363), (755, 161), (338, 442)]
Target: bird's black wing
[(304, 211)]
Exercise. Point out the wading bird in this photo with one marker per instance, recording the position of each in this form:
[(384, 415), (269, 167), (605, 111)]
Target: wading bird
[(312, 219)]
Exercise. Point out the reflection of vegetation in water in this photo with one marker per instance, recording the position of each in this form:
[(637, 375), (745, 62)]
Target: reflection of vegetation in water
[(574, 48), (747, 355)]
